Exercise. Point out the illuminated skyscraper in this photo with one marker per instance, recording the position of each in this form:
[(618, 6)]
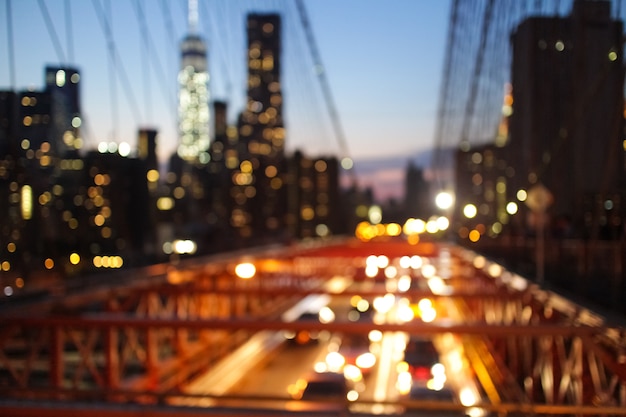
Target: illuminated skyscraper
[(193, 95), (62, 83), (263, 128)]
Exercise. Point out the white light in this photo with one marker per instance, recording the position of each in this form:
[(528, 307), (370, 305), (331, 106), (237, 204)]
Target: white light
[(470, 211), (245, 270), (429, 271), (405, 313), (404, 283), (184, 246), (326, 315), (60, 78), (365, 360), (442, 223), (467, 397), (103, 147), (124, 149), (416, 262), (347, 163), (429, 315), (375, 214), (112, 147), (511, 208), (352, 373), (375, 336), (391, 272), (382, 261), (384, 304), (432, 227), (335, 361), (444, 200), (371, 271), (405, 262), (413, 226)]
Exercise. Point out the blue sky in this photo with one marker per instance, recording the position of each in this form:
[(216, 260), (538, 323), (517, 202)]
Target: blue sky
[(383, 62)]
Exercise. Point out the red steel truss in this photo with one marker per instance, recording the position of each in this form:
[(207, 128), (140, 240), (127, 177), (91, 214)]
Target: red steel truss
[(140, 342)]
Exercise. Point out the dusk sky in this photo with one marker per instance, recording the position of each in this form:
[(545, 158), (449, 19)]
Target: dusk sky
[(383, 62)]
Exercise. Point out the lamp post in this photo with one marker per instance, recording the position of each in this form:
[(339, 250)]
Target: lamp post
[(538, 200)]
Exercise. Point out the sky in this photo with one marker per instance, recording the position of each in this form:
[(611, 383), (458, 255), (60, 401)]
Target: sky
[(383, 61)]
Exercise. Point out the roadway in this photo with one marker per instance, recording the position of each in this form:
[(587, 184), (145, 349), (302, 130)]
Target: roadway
[(274, 378), (489, 329)]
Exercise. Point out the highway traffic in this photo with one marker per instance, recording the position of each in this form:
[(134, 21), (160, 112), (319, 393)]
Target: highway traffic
[(377, 372)]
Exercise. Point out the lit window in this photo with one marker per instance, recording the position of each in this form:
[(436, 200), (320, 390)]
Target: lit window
[(559, 46), (60, 78), (268, 28)]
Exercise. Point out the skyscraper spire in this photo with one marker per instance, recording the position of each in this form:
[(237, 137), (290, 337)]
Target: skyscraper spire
[(193, 16), (193, 94)]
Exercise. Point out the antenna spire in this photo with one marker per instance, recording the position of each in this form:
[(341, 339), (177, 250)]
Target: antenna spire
[(193, 16)]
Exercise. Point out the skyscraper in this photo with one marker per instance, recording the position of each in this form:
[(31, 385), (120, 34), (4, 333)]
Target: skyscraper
[(62, 83), (193, 95), (263, 128), (566, 130)]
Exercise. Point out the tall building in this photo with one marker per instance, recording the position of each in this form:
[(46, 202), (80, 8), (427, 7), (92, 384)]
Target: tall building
[(193, 95), (262, 133), (567, 126), (262, 129), (62, 83), (8, 122)]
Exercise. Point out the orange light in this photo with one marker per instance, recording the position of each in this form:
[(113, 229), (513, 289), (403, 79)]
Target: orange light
[(474, 235)]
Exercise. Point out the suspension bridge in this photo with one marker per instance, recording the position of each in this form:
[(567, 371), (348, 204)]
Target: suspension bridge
[(210, 335)]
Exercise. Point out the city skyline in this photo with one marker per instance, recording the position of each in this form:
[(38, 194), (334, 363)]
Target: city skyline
[(369, 76)]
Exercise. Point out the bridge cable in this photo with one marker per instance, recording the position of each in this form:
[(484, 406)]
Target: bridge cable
[(171, 36), (68, 31), (470, 105), (310, 111), (11, 45), (145, 53), (51, 31), (444, 91), (153, 58), (112, 87), (223, 60), (106, 27), (321, 74)]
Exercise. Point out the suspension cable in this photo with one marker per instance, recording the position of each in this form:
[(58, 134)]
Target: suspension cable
[(321, 74), (51, 31), (106, 27), (444, 91), (11, 45), (143, 30), (68, 31), (469, 109), (112, 85)]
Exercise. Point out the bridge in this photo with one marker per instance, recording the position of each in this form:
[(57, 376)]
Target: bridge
[(145, 343), (449, 326)]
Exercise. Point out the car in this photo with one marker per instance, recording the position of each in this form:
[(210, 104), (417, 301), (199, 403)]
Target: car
[(304, 336), (444, 396), (324, 387), (421, 355), (356, 351)]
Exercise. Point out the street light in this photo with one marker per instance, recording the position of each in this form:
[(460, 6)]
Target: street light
[(444, 200), (245, 270)]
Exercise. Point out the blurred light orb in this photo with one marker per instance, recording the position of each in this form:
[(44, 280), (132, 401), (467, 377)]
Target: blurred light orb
[(245, 270), (444, 200)]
